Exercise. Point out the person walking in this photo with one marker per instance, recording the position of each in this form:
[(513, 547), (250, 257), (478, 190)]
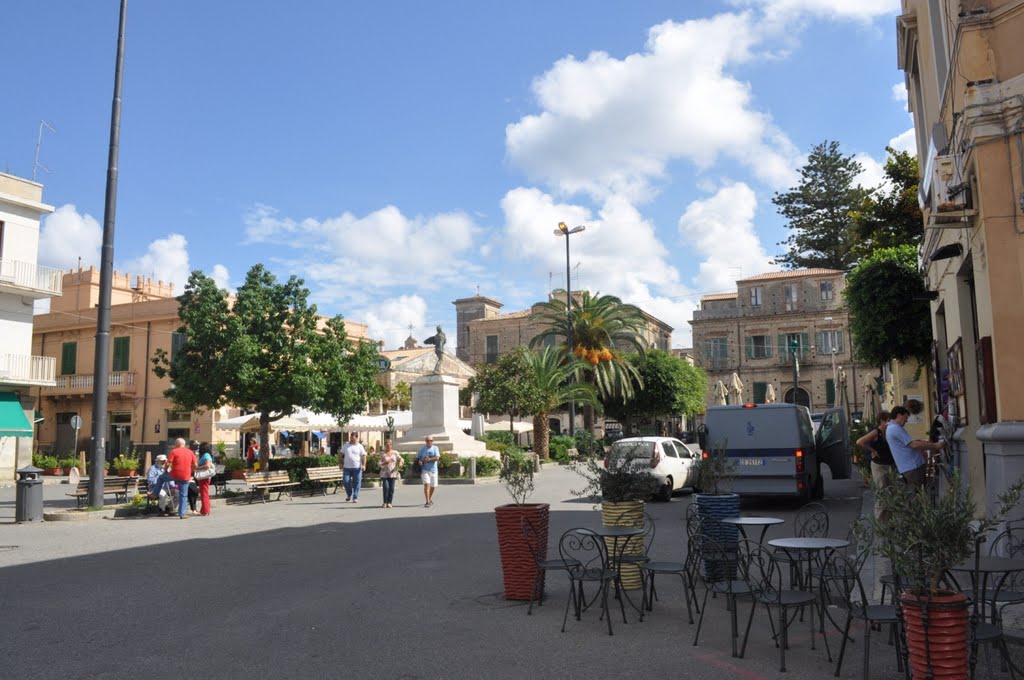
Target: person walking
[(881, 455), (906, 451), (390, 466), (182, 462), (353, 462), (205, 463), (427, 457)]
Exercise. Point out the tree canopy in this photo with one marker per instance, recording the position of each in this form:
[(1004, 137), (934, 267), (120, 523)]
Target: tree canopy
[(504, 387), (891, 215), (886, 321), (819, 210), (671, 386), (264, 352)]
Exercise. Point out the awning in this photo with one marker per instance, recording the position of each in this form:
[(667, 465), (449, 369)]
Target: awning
[(13, 422)]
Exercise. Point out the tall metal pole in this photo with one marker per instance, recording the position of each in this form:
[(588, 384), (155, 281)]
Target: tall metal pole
[(101, 366), (568, 314)]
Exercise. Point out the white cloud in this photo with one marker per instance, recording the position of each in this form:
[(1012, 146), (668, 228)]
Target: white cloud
[(66, 236), (165, 260), (899, 95), (349, 258), (221, 276), (390, 319), (905, 141), (858, 10), (872, 172), (721, 229), (610, 126)]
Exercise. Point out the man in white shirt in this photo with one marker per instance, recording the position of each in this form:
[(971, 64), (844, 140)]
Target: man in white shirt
[(353, 462)]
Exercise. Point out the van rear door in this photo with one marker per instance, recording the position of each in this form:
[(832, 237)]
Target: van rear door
[(832, 442)]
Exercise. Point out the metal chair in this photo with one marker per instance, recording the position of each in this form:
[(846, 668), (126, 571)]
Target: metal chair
[(543, 565), (586, 558), (652, 568), (723, 570), (764, 578), (842, 587), (811, 521)]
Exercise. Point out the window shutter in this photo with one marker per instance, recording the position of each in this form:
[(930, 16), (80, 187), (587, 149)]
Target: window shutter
[(839, 341), (760, 389), (805, 345), (121, 352), (67, 358), (750, 347), (830, 391), (767, 346), (783, 348)]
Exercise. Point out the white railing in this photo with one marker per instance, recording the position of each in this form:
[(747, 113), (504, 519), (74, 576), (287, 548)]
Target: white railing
[(31, 276), (27, 369), (83, 382)]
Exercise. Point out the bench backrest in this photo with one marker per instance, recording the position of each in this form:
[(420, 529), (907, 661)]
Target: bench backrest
[(277, 476), (111, 483), (321, 472)]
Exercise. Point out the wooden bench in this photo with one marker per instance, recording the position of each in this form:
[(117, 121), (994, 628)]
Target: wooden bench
[(261, 483), (322, 477), (118, 486)]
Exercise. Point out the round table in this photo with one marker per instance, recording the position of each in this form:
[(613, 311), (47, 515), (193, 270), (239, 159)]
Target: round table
[(808, 546), (615, 534), (743, 522), (987, 567)]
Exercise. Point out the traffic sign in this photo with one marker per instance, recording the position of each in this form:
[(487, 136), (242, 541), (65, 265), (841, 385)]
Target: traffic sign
[(76, 422), (383, 364)]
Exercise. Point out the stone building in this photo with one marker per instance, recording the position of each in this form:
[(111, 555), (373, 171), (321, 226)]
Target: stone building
[(753, 331), (964, 71), (144, 318), (22, 282)]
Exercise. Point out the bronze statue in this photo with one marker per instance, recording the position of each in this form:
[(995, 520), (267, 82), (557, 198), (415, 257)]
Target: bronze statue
[(438, 340)]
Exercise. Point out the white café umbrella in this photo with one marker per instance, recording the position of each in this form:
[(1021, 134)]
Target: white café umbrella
[(735, 389), (503, 426), (719, 395), (769, 394), (378, 423)]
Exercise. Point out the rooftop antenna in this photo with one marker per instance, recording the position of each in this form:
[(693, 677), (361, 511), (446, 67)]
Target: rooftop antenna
[(478, 290), (39, 143)]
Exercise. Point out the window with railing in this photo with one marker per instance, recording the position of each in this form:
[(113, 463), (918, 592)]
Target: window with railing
[(830, 342), (716, 352), (759, 346), (789, 296), (790, 343)]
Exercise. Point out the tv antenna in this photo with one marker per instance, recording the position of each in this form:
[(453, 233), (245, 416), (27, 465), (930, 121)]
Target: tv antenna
[(39, 143)]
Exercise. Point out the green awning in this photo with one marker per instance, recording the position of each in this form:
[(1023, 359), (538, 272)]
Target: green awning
[(13, 422)]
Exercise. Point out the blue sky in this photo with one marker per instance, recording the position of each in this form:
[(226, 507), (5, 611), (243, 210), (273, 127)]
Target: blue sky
[(400, 155)]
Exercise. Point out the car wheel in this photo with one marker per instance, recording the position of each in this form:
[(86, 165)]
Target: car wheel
[(666, 490)]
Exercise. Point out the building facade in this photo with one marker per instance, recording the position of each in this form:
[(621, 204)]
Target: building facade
[(144, 318), (963, 64), (22, 282), (754, 332)]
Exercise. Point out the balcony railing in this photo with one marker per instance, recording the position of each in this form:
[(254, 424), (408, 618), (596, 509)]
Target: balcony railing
[(82, 383), (24, 369), (31, 277)]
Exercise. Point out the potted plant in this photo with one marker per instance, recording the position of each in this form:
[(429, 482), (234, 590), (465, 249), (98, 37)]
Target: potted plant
[(47, 463), (924, 540), (66, 464), (236, 466), (221, 454), (622, 484), (519, 571), (714, 499), (126, 464)]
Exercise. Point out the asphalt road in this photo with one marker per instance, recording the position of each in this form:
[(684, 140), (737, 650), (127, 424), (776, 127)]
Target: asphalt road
[(318, 588)]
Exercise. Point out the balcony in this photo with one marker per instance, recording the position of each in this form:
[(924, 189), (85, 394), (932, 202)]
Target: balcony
[(30, 279), (24, 369), (78, 384)]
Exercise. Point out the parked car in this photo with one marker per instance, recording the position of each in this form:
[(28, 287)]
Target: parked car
[(669, 460), (611, 436)]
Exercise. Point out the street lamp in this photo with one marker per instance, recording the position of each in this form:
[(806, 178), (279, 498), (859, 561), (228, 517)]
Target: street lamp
[(565, 231)]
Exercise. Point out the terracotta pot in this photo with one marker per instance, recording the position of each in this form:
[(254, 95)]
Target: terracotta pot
[(518, 569), (238, 474), (51, 471), (627, 514), (941, 646), (125, 472)]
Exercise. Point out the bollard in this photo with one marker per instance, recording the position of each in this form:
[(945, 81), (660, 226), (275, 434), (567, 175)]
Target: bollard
[(28, 503), (472, 467)]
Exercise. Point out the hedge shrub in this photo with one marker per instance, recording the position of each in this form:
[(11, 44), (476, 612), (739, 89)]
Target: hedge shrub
[(487, 466)]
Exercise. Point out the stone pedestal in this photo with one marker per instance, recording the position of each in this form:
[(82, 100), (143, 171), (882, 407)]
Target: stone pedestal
[(435, 412), (1003, 444)]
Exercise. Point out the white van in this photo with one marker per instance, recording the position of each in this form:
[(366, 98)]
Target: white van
[(775, 448)]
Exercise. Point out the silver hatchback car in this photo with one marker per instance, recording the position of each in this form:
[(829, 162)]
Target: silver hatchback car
[(669, 460)]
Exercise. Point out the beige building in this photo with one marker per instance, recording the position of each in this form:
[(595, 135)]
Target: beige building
[(483, 333), (144, 318), (964, 70), (751, 333)]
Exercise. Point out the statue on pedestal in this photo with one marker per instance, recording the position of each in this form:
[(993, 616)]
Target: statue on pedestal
[(438, 340)]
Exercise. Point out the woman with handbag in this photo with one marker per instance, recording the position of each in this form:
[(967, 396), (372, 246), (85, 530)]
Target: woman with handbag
[(390, 466), (205, 471)]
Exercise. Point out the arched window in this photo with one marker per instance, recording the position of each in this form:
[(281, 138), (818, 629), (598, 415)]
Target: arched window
[(802, 397)]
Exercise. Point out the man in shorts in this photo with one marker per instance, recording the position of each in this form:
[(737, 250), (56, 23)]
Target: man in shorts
[(427, 457)]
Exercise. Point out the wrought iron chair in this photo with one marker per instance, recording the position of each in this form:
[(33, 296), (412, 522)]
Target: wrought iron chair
[(811, 521), (723, 570), (586, 558), (842, 587), (652, 568), (543, 565)]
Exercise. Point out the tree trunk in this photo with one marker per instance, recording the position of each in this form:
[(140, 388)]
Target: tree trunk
[(588, 418), (542, 435), (264, 441)]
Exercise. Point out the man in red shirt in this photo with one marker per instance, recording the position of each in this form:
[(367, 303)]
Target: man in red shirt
[(182, 461)]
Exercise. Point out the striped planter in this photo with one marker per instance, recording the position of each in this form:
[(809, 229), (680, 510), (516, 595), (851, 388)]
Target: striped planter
[(518, 568), (612, 515), (718, 507), (937, 634)]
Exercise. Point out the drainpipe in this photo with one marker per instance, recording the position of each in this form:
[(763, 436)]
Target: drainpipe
[(145, 382)]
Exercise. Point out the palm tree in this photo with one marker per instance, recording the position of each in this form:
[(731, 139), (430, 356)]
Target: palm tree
[(549, 375), (602, 327)]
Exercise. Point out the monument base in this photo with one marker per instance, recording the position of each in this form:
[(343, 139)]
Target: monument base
[(435, 413)]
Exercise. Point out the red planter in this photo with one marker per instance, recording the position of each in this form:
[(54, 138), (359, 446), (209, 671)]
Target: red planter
[(238, 474), (518, 568), (942, 645), (51, 471)]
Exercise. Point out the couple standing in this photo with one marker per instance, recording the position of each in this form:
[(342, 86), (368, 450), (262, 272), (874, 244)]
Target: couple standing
[(353, 464)]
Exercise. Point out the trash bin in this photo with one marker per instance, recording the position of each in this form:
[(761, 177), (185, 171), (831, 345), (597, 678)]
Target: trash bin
[(28, 505)]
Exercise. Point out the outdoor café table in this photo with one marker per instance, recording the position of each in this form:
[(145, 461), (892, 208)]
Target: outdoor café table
[(763, 522), (996, 567), (806, 547), (616, 534)]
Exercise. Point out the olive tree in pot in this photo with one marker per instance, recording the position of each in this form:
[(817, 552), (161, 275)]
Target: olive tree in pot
[(622, 483), (923, 541), (519, 570), (714, 498)]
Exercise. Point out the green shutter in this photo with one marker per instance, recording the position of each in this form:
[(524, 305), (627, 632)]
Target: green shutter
[(830, 391), (750, 347), (805, 345), (767, 346), (122, 346), (839, 341), (177, 342), (68, 354), (760, 389), (783, 348)]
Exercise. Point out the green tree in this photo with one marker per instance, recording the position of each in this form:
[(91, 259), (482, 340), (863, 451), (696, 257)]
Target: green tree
[(548, 374), (504, 386), (603, 329), (399, 396), (671, 386), (887, 323), (891, 215), (264, 352), (819, 211)]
